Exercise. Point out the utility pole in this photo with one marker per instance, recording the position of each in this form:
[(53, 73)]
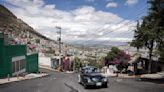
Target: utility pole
[(96, 56), (59, 39), (74, 60)]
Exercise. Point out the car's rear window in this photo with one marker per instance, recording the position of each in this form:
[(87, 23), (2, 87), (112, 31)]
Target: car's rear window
[(91, 70)]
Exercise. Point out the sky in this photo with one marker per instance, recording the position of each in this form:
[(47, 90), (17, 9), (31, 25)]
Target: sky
[(105, 22)]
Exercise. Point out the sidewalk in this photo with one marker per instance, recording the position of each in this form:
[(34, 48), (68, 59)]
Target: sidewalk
[(127, 76), (155, 78), (120, 75), (28, 76), (45, 67), (159, 75)]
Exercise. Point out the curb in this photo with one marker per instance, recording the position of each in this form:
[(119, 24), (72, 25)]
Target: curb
[(49, 68), (55, 70), (162, 79), (125, 77), (24, 79)]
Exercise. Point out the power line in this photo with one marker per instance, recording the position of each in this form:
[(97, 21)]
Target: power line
[(142, 9), (120, 22), (112, 31), (117, 28)]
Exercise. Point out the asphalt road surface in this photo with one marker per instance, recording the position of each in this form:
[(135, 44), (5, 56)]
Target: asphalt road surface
[(62, 82)]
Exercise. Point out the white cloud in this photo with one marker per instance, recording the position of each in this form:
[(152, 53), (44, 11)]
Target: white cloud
[(82, 23), (131, 2), (111, 5)]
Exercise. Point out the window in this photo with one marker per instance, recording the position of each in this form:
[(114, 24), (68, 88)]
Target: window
[(18, 65), (22, 64)]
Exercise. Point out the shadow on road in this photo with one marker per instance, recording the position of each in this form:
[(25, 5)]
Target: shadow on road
[(157, 81), (94, 87), (72, 89)]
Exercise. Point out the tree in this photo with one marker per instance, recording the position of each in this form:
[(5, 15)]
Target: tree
[(161, 53), (159, 12), (77, 63), (150, 32), (115, 50), (117, 57), (100, 63), (113, 54), (138, 42)]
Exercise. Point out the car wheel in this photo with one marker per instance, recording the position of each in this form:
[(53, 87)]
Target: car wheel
[(79, 79), (105, 85), (85, 86)]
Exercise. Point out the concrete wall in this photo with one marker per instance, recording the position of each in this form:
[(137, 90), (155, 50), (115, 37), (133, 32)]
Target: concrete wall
[(45, 61)]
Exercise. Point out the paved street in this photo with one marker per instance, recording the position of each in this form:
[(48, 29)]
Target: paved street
[(62, 82)]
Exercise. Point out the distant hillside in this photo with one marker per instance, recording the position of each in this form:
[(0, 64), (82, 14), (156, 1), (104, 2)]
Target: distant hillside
[(7, 18), (21, 33), (5, 13)]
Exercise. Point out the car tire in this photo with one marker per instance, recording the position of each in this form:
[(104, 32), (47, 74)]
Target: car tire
[(85, 86), (105, 85), (79, 79)]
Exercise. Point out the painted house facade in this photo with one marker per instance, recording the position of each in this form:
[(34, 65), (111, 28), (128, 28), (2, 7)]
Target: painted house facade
[(14, 59)]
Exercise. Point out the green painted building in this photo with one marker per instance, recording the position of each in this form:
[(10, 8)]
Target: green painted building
[(14, 59)]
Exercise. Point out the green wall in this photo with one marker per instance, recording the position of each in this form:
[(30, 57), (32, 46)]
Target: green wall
[(32, 63), (6, 54), (1, 57), (15, 50), (10, 51)]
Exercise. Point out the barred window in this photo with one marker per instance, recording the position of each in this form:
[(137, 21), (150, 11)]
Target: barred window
[(18, 65)]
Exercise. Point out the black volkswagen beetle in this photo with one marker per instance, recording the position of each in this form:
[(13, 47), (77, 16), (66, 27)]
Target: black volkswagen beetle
[(90, 76)]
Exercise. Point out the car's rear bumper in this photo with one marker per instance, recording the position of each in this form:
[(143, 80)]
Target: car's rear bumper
[(95, 83)]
